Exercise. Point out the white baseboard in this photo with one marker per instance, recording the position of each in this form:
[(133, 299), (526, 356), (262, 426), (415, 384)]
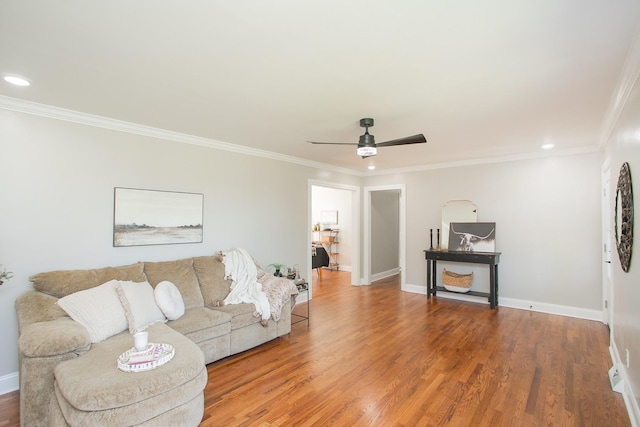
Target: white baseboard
[(630, 401), (415, 289), (9, 383), (562, 310), (385, 274)]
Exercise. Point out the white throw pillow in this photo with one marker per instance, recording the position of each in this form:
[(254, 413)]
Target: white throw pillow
[(169, 300), (139, 305), (97, 309)]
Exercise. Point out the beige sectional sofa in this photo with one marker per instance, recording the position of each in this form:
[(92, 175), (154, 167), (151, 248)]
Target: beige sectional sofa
[(65, 379)]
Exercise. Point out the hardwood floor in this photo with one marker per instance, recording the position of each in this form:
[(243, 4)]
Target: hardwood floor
[(10, 409), (377, 356)]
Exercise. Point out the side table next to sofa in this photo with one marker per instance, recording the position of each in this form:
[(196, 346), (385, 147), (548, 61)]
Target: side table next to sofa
[(302, 289)]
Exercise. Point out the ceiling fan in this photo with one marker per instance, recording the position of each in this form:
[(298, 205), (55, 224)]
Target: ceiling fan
[(367, 146)]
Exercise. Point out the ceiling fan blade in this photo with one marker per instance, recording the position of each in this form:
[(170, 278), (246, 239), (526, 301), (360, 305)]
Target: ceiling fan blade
[(414, 139), (333, 143)]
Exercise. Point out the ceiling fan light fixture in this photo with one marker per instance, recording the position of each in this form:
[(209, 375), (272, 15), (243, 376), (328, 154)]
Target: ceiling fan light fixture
[(367, 151), (367, 146)]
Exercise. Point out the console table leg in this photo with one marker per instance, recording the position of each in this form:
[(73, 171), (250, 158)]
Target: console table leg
[(434, 281), (492, 286), (428, 279), (495, 296)]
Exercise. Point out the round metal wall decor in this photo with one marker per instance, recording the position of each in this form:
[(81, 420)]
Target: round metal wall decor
[(624, 217)]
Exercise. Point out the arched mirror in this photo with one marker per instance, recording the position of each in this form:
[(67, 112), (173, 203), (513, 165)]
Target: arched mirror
[(624, 217)]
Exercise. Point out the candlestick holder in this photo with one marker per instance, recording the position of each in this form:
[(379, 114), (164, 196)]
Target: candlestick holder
[(431, 239)]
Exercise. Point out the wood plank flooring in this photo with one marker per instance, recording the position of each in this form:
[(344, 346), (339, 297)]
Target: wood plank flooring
[(376, 356), (381, 357)]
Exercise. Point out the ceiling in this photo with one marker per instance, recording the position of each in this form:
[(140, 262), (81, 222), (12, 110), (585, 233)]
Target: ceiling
[(481, 80)]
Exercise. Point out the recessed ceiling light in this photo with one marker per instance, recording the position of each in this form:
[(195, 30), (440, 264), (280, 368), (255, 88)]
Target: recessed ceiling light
[(371, 167), (16, 80), (547, 146)]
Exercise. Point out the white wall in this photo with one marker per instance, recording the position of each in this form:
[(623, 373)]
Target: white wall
[(624, 146), (57, 203), (547, 214), (334, 199)]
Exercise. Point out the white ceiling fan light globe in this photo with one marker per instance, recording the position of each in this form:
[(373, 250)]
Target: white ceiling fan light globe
[(367, 151)]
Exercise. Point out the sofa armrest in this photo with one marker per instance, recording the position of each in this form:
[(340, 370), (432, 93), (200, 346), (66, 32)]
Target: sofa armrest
[(33, 307), (45, 328), (53, 338)]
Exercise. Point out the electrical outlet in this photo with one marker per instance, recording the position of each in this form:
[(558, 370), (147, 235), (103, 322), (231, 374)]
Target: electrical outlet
[(617, 383), (627, 350)]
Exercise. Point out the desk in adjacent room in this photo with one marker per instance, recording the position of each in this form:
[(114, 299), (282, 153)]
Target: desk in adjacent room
[(490, 258)]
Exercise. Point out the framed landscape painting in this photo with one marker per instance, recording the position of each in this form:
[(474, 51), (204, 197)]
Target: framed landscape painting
[(472, 236), (152, 217)]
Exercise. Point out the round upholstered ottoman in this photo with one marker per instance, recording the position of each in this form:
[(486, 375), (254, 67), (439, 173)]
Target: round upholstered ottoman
[(92, 391)]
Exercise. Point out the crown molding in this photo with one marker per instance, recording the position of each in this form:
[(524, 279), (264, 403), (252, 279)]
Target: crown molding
[(57, 113), (624, 87), (489, 160)]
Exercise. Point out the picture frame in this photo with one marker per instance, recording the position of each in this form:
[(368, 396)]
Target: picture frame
[(154, 217), (329, 217), (472, 236)]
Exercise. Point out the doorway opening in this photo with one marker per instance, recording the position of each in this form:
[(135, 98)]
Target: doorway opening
[(384, 233), (340, 206)]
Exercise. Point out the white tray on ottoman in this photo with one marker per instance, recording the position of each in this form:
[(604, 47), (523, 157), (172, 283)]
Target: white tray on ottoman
[(156, 354)]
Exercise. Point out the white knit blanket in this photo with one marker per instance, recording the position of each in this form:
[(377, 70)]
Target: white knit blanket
[(240, 268)]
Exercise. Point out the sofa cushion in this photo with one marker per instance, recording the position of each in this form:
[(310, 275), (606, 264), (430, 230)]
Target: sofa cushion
[(199, 319), (181, 274), (97, 309), (139, 305), (210, 273), (61, 283), (241, 314), (169, 300)]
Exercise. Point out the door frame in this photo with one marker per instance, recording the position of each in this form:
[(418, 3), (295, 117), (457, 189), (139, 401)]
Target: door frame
[(402, 250), (355, 226), (607, 246)]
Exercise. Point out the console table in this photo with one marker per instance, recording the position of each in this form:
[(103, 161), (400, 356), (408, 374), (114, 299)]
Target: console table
[(490, 258)]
